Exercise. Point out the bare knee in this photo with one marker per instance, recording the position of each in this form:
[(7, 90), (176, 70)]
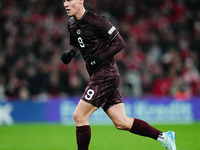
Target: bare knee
[(77, 117), (80, 119), (122, 126)]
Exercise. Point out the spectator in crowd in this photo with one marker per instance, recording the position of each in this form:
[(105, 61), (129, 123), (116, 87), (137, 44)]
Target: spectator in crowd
[(163, 48)]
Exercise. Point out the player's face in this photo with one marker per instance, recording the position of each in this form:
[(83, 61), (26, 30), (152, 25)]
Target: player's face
[(72, 7)]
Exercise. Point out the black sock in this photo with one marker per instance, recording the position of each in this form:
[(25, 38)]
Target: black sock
[(142, 128), (83, 135)]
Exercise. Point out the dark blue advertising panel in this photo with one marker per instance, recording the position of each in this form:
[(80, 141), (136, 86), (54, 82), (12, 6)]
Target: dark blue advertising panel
[(155, 110)]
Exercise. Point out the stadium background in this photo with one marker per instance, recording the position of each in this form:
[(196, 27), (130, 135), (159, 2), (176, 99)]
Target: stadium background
[(159, 68), (161, 58)]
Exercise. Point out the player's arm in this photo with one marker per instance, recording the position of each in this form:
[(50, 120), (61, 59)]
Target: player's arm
[(116, 45), (105, 29), (72, 50), (66, 57), (109, 32)]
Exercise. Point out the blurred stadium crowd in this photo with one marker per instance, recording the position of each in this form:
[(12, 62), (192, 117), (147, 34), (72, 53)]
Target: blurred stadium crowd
[(161, 58)]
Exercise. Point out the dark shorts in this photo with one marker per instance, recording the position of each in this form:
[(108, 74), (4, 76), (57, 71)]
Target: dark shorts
[(103, 92)]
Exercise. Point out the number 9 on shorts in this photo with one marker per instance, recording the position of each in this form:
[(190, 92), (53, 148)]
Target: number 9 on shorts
[(89, 94)]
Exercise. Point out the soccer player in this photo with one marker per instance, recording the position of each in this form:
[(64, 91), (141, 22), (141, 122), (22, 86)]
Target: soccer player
[(98, 41)]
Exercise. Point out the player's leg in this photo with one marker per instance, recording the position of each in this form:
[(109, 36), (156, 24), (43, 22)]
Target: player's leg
[(83, 131), (139, 127), (136, 126), (82, 113), (118, 116), (91, 100)]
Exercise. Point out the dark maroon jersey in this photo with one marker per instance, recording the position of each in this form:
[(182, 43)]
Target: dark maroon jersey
[(92, 35)]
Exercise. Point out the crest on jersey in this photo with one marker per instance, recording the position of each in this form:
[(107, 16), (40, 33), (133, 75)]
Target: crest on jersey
[(78, 31)]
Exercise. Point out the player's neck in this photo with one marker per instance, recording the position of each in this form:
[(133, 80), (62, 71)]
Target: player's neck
[(79, 15)]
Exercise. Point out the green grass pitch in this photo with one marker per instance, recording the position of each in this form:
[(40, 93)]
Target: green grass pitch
[(60, 137)]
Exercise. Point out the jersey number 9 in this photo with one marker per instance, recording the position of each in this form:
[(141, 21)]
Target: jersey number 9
[(80, 41)]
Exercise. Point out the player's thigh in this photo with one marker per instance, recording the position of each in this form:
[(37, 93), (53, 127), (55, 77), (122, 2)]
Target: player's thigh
[(98, 91), (83, 111), (118, 116)]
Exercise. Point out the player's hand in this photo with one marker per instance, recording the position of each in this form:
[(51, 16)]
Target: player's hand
[(66, 57), (93, 61)]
